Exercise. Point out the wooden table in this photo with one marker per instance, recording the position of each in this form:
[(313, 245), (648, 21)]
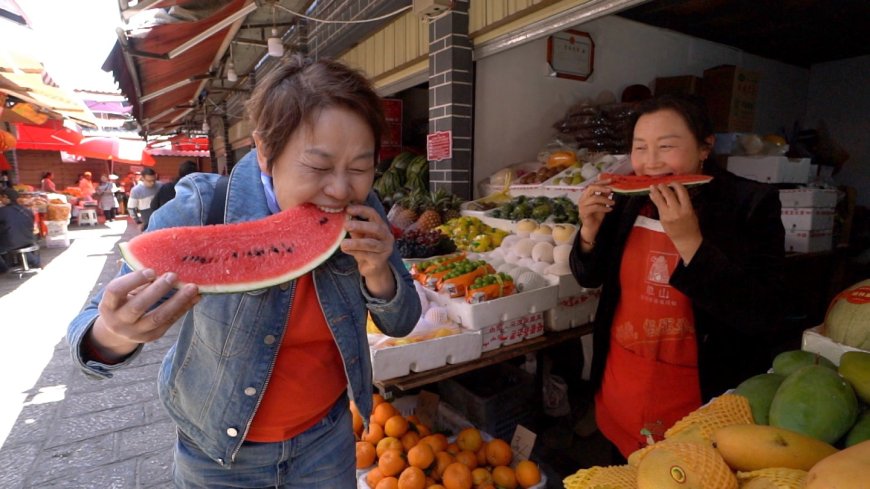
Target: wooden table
[(419, 379)]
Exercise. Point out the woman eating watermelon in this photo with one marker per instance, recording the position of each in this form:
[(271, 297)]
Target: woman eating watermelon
[(259, 379), (692, 279)]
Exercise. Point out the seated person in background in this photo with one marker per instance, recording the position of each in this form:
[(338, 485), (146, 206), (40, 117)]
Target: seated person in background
[(16, 229), (139, 204)]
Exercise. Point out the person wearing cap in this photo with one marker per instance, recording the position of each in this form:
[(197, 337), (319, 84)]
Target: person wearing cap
[(16, 228), (86, 186)]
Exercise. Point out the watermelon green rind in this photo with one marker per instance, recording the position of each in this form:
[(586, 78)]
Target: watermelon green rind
[(639, 184), (239, 257)]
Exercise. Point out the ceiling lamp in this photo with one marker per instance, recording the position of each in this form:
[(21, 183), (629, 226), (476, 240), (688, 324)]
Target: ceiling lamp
[(232, 76), (276, 47)]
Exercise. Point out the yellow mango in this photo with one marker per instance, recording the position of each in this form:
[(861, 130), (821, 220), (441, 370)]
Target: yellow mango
[(846, 469), (750, 447)]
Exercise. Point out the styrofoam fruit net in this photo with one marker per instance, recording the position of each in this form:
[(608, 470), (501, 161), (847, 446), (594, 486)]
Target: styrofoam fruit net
[(725, 410), (690, 465), (774, 478), (612, 477)]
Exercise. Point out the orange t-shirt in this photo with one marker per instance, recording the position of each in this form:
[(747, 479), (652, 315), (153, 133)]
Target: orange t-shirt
[(308, 376), (651, 375)]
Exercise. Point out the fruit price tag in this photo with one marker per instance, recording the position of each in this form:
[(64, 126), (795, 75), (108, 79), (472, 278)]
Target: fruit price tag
[(427, 408), (523, 442)]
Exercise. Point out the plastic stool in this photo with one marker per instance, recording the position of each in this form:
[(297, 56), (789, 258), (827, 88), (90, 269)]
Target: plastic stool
[(88, 216), (23, 267)]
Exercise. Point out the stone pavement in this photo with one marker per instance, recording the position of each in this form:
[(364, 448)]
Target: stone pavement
[(59, 428)]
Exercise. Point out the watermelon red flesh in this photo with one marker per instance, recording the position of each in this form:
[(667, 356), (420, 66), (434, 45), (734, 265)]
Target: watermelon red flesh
[(639, 184), (244, 256)]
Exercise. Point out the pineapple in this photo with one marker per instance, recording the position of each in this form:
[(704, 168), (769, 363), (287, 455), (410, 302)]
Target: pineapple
[(447, 204), (405, 211), (429, 217)]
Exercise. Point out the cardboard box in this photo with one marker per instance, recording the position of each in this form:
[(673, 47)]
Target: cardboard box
[(801, 241), (771, 169), (808, 197), (730, 93), (680, 85), (808, 218)]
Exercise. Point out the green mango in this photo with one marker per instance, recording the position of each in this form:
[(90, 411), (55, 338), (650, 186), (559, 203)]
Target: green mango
[(760, 390), (788, 362), (860, 432), (855, 367), (816, 402)]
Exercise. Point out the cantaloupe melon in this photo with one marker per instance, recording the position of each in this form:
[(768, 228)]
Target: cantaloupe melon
[(848, 318)]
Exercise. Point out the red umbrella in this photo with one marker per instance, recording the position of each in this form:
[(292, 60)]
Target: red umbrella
[(113, 149)]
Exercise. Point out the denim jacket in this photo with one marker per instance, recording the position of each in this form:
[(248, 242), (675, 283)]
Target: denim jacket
[(214, 376)]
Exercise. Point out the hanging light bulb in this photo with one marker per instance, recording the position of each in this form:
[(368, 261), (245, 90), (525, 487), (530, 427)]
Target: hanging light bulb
[(232, 76), (276, 47)]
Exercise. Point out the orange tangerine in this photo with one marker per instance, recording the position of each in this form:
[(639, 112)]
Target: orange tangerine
[(467, 458), (412, 478), (480, 476), (387, 443), (456, 476), (388, 483), (469, 439), (373, 477), (391, 462), (498, 452), (410, 439), (383, 412), (396, 426), (365, 454), (374, 434), (528, 474), (421, 456), (504, 477)]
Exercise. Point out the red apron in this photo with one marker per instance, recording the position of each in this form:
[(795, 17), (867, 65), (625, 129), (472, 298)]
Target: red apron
[(651, 374)]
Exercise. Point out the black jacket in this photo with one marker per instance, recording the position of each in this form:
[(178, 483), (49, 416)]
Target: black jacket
[(735, 280), (16, 228)]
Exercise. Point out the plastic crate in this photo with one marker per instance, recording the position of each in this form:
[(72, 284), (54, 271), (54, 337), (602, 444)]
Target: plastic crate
[(494, 398)]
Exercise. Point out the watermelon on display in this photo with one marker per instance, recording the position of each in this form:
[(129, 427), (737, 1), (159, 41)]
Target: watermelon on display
[(639, 184), (238, 257)]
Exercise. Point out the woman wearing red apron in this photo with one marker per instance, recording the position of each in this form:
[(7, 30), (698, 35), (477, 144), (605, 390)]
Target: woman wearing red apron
[(691, 278)]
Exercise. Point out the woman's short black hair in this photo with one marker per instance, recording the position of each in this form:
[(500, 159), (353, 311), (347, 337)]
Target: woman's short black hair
[(691, 109)]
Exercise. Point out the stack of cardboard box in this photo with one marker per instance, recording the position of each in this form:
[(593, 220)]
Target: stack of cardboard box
[(808, 217)]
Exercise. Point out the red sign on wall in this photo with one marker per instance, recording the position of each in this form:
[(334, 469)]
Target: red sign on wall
[(439, 146)]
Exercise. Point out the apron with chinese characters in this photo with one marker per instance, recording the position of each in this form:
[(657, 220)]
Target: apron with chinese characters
[(651, 375)]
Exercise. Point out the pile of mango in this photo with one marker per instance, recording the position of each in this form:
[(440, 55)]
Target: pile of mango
[(805, 425), (471, 234)]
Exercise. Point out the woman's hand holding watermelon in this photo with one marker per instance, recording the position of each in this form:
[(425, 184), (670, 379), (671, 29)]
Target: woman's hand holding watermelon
[(371, 244), (678, 218), (595, 202), (126, 317)]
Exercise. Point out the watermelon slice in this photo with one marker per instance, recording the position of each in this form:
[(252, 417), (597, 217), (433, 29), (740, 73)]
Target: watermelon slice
[(639, 184), (238, 257)]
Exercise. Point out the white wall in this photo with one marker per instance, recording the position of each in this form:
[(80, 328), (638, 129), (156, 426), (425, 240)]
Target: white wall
[(839, 96), (516, 102)]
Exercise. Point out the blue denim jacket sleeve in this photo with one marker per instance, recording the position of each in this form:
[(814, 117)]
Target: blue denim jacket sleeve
[(398, 316)]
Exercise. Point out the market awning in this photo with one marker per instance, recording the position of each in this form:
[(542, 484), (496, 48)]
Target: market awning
[(113, 149), (21, 76), (163, 72), (51, 136)]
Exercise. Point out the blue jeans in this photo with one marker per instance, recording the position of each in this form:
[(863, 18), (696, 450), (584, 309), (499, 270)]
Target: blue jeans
[(324, 456)]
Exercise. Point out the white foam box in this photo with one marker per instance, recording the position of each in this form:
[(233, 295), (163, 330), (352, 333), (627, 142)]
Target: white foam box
[(804, 241), (57, 228), (808, 197), (771, 169), (512, 331), (396, 361), (808, 218), (573, 311), (483, 314), (61, 241), (814, 340)]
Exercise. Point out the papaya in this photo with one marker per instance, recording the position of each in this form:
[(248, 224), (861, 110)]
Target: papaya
[(860, 432), (816, 402), (846, 469), (847, 320), (855, 367), (749, 447), (788, 362), (760, 390)]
